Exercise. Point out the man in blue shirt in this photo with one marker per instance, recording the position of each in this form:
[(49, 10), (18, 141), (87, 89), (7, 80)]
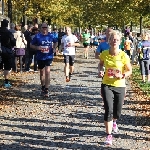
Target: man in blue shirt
[(103, 45), (45, 43), (55, 34)]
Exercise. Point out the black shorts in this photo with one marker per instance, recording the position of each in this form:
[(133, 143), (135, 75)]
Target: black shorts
[(44, 63), (86, 45), (69, 59), (7, 62), (91, 44)]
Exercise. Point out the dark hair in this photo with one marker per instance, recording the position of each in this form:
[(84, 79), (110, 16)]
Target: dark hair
[(4, 23)]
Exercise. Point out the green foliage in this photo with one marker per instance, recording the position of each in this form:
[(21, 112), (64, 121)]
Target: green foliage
[(83, 12)]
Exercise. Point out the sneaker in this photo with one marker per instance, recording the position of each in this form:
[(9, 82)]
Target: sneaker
[(115, 127), (8, 85), (46, 93), (108, 140), (67, 79)]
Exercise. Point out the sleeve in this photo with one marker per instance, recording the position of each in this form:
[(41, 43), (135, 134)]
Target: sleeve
[(101, 57), (75, 39), (34, 41), (98, 50), (126, 59), (62, 40), (13, 40), (55, 39)]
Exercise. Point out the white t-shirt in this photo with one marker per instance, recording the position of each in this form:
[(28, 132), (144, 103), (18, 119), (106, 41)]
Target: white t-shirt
[(66, 40), (91, 39)]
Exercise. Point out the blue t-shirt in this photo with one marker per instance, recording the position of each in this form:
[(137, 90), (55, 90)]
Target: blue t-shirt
[(102, 46), (55, 35), (46, 42)]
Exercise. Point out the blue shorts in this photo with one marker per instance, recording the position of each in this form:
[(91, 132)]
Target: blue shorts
[(44, 63)]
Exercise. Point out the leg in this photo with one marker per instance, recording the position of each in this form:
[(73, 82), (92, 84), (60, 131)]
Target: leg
[(71, 63), (16, 67), (7, 68), (119, 95), (108, 106), (148, 70), (21, 63), (108, 116), (143, 71), (66, 68)]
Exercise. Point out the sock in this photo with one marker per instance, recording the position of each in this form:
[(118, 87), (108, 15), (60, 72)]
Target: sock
[(114, 122), (6, 81), (108, 134)]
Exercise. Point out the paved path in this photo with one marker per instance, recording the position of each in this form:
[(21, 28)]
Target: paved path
[(72, 118)]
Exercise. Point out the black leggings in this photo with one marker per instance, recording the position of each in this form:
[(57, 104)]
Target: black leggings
[(113, 100)]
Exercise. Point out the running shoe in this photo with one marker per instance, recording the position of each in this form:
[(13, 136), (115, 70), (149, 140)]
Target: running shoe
[(7, 85), (108, 140), (46, 93), (115, 127), (67, 79)]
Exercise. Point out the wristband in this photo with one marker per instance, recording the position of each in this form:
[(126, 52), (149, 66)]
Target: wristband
[(123, 76)]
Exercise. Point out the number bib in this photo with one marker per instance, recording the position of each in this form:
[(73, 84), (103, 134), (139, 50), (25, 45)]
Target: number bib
[(112, 71), (45, 49)]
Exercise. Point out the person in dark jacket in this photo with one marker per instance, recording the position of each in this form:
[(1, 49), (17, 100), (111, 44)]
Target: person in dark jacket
[(60, 35), (8, 41), (28, 34)]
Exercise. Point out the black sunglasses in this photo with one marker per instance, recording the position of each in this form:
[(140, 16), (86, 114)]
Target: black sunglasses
[(44, 27)]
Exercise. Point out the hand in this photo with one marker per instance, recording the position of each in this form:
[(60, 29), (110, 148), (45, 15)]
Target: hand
[(39, 48), (118, 75), (70, 44), (101, 74)]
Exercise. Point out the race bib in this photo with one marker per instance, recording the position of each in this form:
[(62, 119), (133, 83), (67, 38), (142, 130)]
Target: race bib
[(45, 49), (111, 72)]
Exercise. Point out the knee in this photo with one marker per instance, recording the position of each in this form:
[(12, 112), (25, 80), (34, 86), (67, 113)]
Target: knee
[(108, 115)]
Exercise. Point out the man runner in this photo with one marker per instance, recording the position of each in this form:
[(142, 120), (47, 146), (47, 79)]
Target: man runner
[(45, 44), (69, 41)]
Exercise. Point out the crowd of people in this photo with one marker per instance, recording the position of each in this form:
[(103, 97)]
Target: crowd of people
[(115, 51)]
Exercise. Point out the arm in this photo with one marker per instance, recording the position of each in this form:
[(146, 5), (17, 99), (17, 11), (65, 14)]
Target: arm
[(100, 66), (128, 69), (97, 53), (35, 47)]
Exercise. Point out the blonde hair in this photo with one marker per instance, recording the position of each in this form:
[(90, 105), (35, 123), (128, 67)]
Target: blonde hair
[(112, 33)]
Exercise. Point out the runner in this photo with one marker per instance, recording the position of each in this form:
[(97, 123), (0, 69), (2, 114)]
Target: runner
[(69, 41), (118, 66), (45, 44), (86, 42)]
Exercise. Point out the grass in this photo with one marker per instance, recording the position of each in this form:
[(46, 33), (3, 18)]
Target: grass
[(136, 77)]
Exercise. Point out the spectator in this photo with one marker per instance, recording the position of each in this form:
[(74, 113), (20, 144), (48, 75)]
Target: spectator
[(144, 51), (12, 28), (7, 43), (20, 47)]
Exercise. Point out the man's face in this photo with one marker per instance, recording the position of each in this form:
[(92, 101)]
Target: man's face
[(44, 28)]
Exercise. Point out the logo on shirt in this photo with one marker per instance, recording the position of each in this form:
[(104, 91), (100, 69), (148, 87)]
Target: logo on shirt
[(46, 42)]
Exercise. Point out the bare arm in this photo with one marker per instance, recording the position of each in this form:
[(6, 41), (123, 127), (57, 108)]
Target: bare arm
[(128, 69), (100, 66), (97, 55), (35, 47)]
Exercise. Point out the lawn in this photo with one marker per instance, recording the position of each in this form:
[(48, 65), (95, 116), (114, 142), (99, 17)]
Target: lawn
[(136, 77)]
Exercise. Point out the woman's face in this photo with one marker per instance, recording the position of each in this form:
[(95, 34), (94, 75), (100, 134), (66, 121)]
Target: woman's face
[(114, 41)]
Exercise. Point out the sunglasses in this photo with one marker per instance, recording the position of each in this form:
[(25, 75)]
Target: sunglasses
[(44, 27)]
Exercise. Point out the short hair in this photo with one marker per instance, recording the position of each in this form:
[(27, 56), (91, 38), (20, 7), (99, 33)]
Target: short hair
[(4, 23), (112, 33), (12, 25)]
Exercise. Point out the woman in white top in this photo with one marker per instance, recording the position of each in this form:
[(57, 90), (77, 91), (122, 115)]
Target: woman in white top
[(20, 46)]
